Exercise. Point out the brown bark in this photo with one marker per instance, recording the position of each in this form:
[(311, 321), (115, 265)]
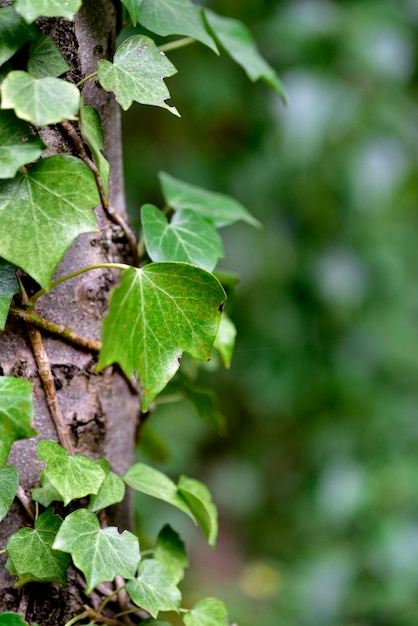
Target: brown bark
[(100, 409)]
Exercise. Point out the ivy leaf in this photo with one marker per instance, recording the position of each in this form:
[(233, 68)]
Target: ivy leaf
[(225, 339), (46, 493), (100, 553), (54, 202), (133, 7), (40, 101), (14, 33), (9, 484), (152, 482), (199, 500), (17, 145), (238, 42), (175, 17), (137, 73), (154, 589), (170, 551), (188, 238), (9, 285), (219, 208), (91, 129), (205, 401), (208, 612), (111, 491), (31, 553), (156, 314), (45, 59), (31, 9), (13, 619), (72, 476), (16, 413)]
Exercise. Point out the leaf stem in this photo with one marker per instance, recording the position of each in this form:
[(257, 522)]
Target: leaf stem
[(178, 43), (86, 78), (108, 598)]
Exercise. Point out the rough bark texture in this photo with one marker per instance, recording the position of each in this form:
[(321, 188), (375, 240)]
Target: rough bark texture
[(100, 409)]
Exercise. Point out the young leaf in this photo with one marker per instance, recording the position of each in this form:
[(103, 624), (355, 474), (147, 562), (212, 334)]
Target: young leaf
[(175, 17), (14, 33), (9, 285), (40, 101), (45, 59), (53, 202), (111, 492), (199, 500), (205, 401), (220, 209), (238, 42), (91, 129), (157, 313), (208, 612), (46, 493), (72, 476), (12, 619), (100, 553), (188, 238), (16, 413), (17, 145), (9, 484), (154, 588), (133, 7), (31, 9), (225, 339), (31, 553), (150, 481), (170, 551), (137, 73)]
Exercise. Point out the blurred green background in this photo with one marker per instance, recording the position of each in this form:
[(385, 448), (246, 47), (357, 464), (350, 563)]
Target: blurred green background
[(317, 478)]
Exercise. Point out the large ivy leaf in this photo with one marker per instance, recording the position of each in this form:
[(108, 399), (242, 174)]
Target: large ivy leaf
[(40, 101), (10, 618), (72, 476), (225, 339), (157, 313), (238, 42), (170, 551), (9, 484), (137, 73), (9, 285), (91, 129), (133, 7), (187, 238), (43, 211), (31, 9), (100, 553), (208, 612), (198, 498), (31, 553), (14, 33), (17, 145), (45, 59), (154, 588), (111, 491), (16, 413), (175, 17), (219, 208)]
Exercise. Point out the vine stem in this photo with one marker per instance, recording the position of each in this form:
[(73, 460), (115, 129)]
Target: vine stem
[(179, 43), (86, 78)]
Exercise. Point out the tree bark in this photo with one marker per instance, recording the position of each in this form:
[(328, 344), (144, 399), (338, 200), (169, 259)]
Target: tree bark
[(100, 409)]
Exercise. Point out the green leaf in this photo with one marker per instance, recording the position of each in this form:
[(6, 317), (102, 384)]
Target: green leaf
[(225, 339), (54, 202), (238, 42), (45, 59), (205, 401), (154, 589), (72, 476), (152, 482), (175, 17), (170, 551), (157, 313), (17, 145), (9, 285), (111, 492), (31, 553), (12, 619), (91, 129), (31, 9), (199, 500), (9, 484), (14, 33), (100, 553), (40, 101), (187, 238), (133, 7), (16, 413), (46, 493), (137, 73), (208, 612), (219, 208)]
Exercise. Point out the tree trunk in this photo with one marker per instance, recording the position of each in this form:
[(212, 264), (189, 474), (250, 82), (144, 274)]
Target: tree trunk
[(100, 408)]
